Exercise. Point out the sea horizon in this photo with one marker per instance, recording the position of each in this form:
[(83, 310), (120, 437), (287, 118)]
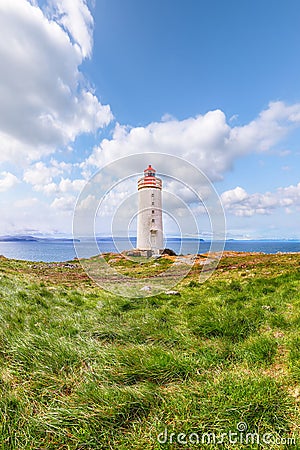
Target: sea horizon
[(63, 249), (45, 237)]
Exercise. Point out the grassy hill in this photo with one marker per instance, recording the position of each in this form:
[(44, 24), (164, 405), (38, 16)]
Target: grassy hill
[(81, 368)]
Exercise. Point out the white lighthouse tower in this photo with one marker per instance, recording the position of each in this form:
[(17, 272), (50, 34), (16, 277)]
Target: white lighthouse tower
[(149, 220)]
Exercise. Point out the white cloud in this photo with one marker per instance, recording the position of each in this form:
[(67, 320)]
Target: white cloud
[(42, 178), (76, 18), (208, 140), (67, 185), (284, 153), (40, 174), (289, 195), (7, 181), (234, 196), (65, 203), (89, 202), (45, 101), (26, 202), (63, 166), (199, 140), (267, 129), (48, 189), (238, 202), (31, 216)]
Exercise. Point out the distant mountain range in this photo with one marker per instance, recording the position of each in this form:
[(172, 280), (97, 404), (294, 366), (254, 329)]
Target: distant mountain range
[(23, 238), (28, 238)]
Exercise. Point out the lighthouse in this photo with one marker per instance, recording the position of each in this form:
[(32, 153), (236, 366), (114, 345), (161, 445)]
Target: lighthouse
[(149, 220)]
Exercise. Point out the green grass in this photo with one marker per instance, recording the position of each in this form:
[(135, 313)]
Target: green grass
[(81, 368)]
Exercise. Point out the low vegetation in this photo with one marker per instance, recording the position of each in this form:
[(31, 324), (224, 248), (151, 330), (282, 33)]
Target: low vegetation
[(84, 369)]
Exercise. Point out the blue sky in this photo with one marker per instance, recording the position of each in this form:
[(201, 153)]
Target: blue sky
[(216, 83), (190, 57)]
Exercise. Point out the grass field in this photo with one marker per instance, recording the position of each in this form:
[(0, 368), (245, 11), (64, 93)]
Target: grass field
[(84, 369)]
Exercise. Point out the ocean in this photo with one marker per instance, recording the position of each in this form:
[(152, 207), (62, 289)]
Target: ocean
[(51, 251)]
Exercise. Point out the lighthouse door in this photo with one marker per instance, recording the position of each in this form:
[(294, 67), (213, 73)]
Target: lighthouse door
[(153, 238)]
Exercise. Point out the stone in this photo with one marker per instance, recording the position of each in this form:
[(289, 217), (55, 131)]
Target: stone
[(169, 252), (146, 288)]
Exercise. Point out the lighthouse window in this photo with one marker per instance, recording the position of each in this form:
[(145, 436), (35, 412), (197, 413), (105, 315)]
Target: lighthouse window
[(152, 211), (152, 195), (152, 203), (153, 220)]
